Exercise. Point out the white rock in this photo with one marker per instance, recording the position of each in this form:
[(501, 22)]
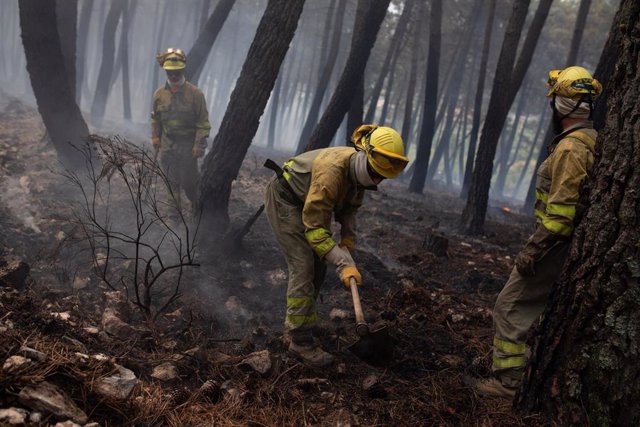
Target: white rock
[(338, 314), (60, 235), (165, 372), (64, 316), (91, 330), (13, 416), (260, 361), (14, 363), (49, 398), (117, 386)]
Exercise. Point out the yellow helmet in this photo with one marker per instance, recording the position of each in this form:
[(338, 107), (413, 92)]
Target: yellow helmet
[(384, 148), (573, 82), (172, 59)]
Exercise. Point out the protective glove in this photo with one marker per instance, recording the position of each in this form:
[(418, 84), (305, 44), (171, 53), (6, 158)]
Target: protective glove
[(538, 245), (348, 243), (155, 143), (345, 265), (197, 150)]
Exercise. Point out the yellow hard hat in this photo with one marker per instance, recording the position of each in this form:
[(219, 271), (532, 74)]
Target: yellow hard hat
[(573, 82), (384, 148), (172, 59)]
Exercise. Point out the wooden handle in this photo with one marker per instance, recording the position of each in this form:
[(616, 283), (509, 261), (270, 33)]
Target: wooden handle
[(357, 307)]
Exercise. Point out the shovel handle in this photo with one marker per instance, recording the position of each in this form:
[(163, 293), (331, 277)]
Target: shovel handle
[(361, 325)]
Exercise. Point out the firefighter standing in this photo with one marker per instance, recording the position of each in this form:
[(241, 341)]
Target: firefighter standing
[(540, 262), (179, 125), (300, 203)]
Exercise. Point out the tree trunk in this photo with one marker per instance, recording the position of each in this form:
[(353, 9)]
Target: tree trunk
[(578, 31), (430, 100), (83, 31), (198, 54), (409, 116), (106, 67), (273, 116), (127, 17), (323, 80), (67, 19), (477, 105), (51, 87), (584, 368), (473, 215), (356, 109), (352, 74), (392, 52), (249, 97)]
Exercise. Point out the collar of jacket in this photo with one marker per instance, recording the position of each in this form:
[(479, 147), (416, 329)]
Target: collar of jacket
[(587, 124)]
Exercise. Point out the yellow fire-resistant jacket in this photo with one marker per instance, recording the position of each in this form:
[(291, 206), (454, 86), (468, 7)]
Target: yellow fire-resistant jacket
[(180, 117), (559, 177), (325, 180)]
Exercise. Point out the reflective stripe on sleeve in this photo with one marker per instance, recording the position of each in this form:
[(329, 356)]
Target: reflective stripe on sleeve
[(557, 227), (320, 240), (568, 211), (509, 347)]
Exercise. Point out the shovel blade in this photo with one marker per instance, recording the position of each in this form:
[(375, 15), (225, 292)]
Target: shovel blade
[(375, 348)]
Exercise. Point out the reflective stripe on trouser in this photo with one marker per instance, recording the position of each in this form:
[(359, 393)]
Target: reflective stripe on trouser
[(520, 303), (306, 269)]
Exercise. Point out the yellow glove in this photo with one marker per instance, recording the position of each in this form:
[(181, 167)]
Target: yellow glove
[(348, 244), (155, 142), (197, 150), (347, 273)]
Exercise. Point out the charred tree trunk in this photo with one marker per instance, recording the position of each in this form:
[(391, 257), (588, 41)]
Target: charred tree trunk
[(409, 117), (356, 109), (430, 100), (127, 17), (584, 368), (108, 54), (198, 54), (51, 87), (352, 74), (67, 19), (273, 116), (477, 105), (500, 102), (83, 30), (249, 97), (323, 81)]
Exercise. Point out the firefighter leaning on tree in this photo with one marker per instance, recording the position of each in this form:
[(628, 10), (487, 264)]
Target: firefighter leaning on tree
[(539, 263), (300, 202), (179, 124)]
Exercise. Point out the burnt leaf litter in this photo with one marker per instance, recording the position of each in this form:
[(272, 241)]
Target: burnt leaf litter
[(217, 356)]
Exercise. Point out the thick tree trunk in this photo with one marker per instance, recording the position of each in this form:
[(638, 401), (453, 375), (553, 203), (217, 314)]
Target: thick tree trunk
[(323, 81), (584, 368), (127, 17), (477, 105), (106, 66), (355, 115), (472, 221), (273, 116), (249, 97), (409, 116), (67, 19), (198, 54), (352, 74), (430, 99), (51, 87)]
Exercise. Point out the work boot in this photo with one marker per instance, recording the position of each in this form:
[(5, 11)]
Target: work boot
[(310, 352), (491, 387)]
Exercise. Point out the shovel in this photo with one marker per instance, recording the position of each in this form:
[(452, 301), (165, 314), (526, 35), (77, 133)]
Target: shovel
[(374, 346)]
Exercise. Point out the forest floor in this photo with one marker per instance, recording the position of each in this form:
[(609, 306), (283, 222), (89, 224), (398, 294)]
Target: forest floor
[(223, 340)]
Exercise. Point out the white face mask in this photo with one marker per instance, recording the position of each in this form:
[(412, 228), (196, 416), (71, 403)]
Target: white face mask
[(176, 84), (362, 174)]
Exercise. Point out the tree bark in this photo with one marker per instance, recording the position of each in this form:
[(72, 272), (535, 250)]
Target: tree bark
[(83, 30), (249, 97), (409, 116), (584, 368), (106, 66), (127, 17), (351, 75), (51, 87), (355, 114), (472, 221), (199, 52), (67, 19), (427, 130)]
